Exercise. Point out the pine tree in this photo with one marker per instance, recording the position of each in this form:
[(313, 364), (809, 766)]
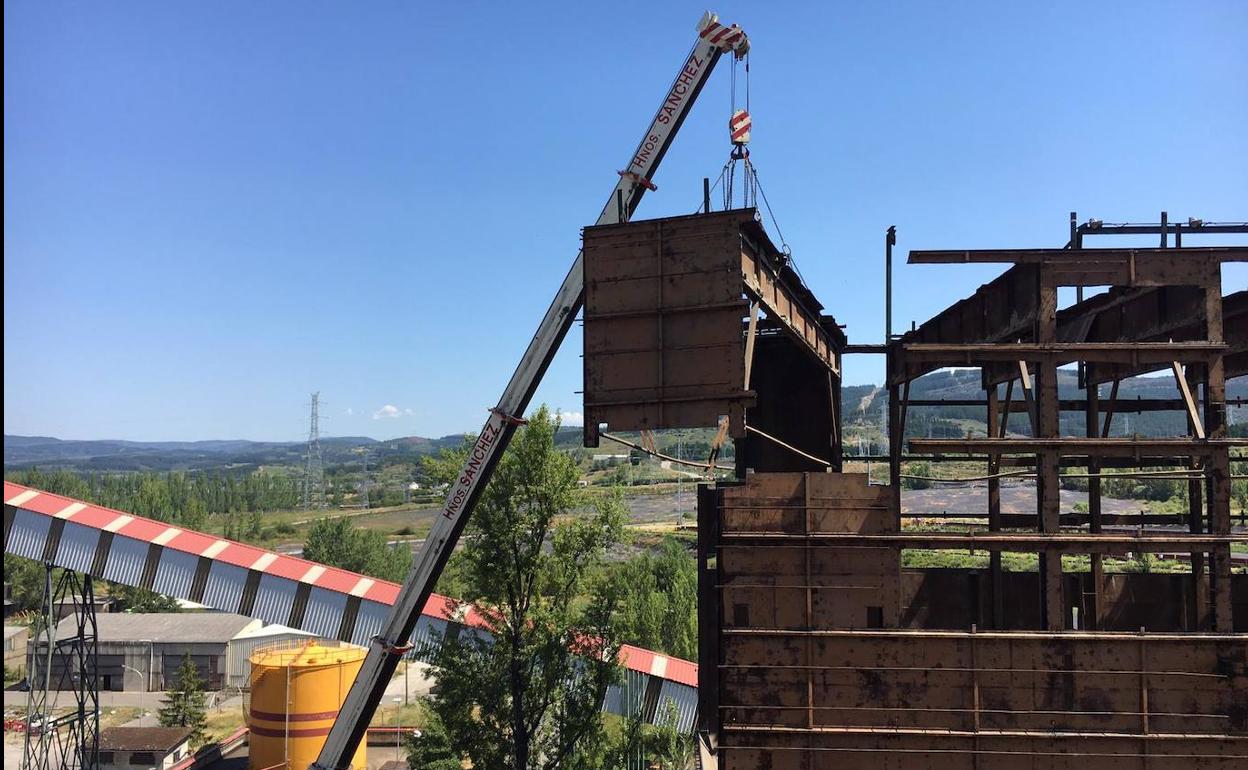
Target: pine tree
[(185, 705)]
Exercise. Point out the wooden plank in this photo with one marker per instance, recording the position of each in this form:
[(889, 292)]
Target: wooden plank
[(1193, 413)]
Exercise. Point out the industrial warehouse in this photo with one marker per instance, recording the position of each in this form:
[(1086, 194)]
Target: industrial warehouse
[(823, 642)]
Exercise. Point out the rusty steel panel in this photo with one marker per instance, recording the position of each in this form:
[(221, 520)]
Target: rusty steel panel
[(956, 599), (663, 310), (780, 749), (1003, 309), (665, 304), (795, 585), (802, 681), (1068, 682)]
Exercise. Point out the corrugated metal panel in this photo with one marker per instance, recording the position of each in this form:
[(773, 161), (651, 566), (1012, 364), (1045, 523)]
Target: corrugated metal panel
[(77, 548), (686, 700), (274, 599), (428, 632), (125, 561), (224, 589), (175, 573), (625, 698), (368, 621), (226, 583), (28, 534), (239, 651), (324, 612)]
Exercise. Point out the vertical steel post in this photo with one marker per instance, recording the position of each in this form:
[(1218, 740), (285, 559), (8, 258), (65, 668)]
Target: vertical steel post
[(1092, 428), (1048, 490), (995, 426), (706, 195), (890, 239)]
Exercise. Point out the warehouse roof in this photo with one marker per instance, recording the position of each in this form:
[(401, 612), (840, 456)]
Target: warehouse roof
[(164, 627), (272, 629)]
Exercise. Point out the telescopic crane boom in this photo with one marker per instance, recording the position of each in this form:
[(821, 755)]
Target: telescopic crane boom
[(714, 40)]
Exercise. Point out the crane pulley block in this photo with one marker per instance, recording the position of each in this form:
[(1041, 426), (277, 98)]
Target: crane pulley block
[(739, 127)]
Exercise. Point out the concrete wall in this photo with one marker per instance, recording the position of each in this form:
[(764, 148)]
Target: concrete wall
[(15, 651), (132, 760)]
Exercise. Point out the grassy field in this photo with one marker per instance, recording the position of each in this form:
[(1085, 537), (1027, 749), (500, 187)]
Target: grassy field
[(222, 722), (118, 716), (912, 558)]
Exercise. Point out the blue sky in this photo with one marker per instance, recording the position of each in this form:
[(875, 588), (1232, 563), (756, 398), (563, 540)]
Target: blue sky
[(213, 209)]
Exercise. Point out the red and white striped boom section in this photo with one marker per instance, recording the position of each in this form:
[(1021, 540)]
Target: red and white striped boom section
[(236, 577)]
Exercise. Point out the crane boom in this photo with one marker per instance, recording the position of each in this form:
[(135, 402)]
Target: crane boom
[(714, 39)]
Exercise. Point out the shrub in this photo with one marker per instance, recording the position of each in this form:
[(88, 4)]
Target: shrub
[(917, 469)]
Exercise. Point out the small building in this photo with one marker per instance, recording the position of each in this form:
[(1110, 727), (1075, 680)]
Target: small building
[(66, 607), (143, 748), (10, 606), (15, 648)]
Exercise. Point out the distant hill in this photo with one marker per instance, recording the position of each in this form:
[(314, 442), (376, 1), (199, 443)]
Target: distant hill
[(117, 455), (965, 384)]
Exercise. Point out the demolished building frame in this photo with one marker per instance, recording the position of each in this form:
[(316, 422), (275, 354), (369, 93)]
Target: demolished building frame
[(817, 649)]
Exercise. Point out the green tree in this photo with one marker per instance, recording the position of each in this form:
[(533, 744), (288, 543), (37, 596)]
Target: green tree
[(26, 577), (668, 746), (254, 525), (656, 598), (444, 466), (184, 705), (923, 469), (430, 747), (336, 543), (661, 746), (335, 495), (132, 599), (528, 698)]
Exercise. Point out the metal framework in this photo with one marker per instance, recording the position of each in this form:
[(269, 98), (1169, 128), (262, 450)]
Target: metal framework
[(686, 318), (59, 735), (1164, 310), (819, 651), (314, 466)]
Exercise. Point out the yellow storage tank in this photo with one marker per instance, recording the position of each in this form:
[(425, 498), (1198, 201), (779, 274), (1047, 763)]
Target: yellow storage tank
[(296, 693)]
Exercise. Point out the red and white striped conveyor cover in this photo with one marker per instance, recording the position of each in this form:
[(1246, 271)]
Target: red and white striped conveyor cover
[(235, 577)]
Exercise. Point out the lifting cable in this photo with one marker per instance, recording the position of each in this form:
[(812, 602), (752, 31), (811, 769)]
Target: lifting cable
[(661, 456), (789, 447), (752, 190)]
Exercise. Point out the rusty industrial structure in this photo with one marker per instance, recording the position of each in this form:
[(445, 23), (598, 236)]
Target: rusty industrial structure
[(665, 346), (818, 649)]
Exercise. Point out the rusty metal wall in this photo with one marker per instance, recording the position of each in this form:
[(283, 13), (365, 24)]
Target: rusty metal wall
[(663, 324), (955, 680), (956, 599), (795, 677), (773, 576), (799, 400), (666, 302)]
